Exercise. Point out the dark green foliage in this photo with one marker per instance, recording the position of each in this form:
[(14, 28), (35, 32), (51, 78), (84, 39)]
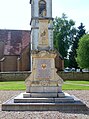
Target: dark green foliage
[(81, 30), (64, 32), (73, 53), (66, 62), (83, 52)]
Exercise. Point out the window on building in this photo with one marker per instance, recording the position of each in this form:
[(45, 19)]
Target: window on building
[(42, 8)]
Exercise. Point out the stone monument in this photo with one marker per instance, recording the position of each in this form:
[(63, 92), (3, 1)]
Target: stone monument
[(43, 81), (43, 86)]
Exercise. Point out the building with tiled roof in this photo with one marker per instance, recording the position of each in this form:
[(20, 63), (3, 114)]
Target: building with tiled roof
[(15, 51), (13, 44)]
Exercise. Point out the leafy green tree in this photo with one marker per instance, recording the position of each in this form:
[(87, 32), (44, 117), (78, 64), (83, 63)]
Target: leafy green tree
[(73, 54), (64, 32), (83, 52)]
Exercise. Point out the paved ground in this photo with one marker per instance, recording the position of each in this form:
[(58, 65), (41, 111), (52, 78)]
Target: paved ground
[(83, 95)]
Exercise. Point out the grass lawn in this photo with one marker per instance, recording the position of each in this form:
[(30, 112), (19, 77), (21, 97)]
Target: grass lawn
[(76, 85), (68, 85), (79, 82), (12, 85)]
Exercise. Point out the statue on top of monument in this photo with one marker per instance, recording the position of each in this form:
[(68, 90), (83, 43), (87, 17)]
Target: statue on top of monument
[(42, 8)]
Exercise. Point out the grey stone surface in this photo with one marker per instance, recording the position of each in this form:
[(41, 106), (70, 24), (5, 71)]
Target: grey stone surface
[(40, 95), (21, 99), (61, 94), (67, 103), (35, 89), (11, 106)]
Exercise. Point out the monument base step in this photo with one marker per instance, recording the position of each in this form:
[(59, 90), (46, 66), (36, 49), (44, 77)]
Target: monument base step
[(20, 99), (67, 103), (43, 95)]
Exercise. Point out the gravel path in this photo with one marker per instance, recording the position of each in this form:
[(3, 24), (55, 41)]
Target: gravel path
[(83, 95)]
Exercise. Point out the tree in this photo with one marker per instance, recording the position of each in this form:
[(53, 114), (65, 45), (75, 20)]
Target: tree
[(64, 32), (81, 31), (73, 54), (83, 52)]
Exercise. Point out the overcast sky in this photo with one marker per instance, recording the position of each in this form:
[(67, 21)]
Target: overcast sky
[(15, 14)]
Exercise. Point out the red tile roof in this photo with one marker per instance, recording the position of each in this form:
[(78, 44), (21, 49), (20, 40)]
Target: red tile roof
[(15, 41)]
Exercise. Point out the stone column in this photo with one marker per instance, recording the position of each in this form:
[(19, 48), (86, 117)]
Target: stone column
[(2, 64), (18, 64)]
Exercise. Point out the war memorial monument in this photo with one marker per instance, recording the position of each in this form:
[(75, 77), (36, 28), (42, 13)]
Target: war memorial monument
[(44, 85)]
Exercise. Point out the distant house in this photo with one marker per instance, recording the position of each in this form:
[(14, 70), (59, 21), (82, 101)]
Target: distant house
[(14, 50)]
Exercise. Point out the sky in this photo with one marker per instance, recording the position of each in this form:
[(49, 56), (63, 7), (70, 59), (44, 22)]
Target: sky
[(16, 14)]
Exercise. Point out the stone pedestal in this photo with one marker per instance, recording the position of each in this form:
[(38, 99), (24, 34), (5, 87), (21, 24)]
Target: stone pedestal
[(44, 78), (51, 103)]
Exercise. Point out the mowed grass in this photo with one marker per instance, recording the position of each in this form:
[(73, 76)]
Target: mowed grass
[(68, 85), (12, 85), (78, 82), (76, 85)]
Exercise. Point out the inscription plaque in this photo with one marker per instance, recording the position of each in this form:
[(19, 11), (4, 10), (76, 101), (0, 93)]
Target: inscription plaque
[(43, 70)]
